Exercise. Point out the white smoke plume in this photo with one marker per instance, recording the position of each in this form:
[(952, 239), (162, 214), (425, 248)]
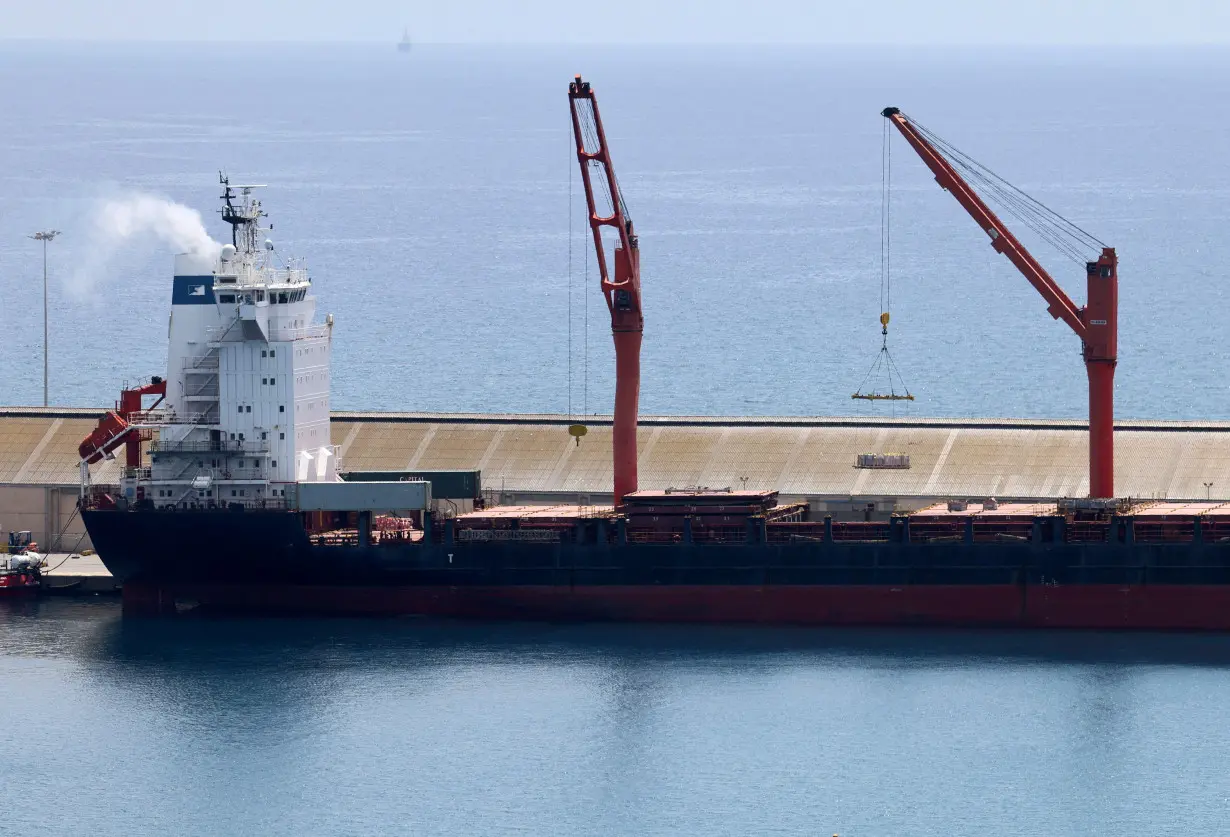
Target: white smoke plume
[(116, 227)]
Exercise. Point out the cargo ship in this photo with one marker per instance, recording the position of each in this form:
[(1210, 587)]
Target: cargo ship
[(233, 499)]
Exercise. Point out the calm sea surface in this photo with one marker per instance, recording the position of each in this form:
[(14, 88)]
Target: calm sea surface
[(112, 727), (430, 196)]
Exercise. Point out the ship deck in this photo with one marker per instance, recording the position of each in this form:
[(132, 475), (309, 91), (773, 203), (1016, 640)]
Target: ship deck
[(531, 460)]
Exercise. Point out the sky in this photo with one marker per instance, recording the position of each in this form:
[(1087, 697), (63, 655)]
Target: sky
[(922, 22)]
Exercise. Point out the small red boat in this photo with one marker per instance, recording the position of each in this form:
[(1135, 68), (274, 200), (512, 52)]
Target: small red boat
[(19, 582), (19, 572)]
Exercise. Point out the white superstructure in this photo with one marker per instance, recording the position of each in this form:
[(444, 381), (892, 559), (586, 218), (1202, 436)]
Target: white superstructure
[(246, 413)]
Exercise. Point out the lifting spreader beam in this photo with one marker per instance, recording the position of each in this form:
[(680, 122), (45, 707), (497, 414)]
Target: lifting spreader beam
[(623, 290), (1096, 324)]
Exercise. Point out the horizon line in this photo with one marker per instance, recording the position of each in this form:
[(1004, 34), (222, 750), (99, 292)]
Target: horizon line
[(978, 44)]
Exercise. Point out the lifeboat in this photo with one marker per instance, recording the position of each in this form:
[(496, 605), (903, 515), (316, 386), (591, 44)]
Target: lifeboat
[(107, 435)]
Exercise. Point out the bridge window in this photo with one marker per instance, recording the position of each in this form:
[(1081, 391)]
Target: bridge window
[(226, 297)]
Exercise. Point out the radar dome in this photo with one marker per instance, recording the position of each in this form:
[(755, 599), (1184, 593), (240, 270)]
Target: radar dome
[(268, 243), (228, 252)]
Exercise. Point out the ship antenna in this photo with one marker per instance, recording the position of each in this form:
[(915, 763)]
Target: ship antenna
[(230, 211), (245, 215)]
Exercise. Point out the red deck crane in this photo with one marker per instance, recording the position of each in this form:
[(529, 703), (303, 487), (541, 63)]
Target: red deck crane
[(1096, 324), (623, 292)]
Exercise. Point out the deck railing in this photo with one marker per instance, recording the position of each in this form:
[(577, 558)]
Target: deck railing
[(861, 532), (1082, 531), (253, 446), (1164, 531)]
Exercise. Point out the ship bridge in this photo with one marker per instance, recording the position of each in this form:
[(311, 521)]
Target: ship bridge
[(246, 409)]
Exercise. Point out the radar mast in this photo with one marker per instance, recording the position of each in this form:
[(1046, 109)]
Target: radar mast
[(242, 212)]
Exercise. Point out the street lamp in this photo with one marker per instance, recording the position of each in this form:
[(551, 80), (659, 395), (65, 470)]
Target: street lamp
[(1208, 490), (45, 236)]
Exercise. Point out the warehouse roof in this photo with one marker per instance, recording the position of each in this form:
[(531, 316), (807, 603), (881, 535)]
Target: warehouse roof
[(797, 456)]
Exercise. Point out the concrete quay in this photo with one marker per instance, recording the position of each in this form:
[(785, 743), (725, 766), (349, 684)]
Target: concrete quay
[(75, 574)]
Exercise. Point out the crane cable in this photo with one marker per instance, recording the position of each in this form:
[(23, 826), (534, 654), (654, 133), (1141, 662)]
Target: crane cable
[(59, 541), (585, 335), (884, 360), (591, 144), (886, 179), (589, 139), (1067, 237), (570, 223), (576, 429), (589, 128)]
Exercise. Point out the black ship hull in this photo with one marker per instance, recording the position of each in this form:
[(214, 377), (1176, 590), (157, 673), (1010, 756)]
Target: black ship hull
[(266, 562)]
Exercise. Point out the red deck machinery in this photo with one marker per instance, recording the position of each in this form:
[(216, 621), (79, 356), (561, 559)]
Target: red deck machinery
[(1096, 324), (115, 427), (623, 293)]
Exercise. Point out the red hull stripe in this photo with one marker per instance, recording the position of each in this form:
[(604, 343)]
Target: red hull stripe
[(1068, 606)]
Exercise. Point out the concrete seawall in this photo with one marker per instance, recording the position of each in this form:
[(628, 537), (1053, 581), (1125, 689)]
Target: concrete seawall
[(531, 459)]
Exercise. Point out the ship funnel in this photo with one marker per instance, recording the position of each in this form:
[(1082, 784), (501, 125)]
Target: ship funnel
[(193, 264)]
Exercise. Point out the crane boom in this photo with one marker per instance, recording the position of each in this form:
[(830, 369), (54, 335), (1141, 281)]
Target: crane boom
[(1096, 324), (622, 290)]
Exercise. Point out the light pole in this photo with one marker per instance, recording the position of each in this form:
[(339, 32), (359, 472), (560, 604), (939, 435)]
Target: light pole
[(1208, 490), (45, 236)]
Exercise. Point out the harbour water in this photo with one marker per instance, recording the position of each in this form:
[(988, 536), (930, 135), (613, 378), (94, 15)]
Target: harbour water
[(112, 727)]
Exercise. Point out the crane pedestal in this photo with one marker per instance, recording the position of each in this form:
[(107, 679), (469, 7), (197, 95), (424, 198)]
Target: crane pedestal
[(1101, 428)]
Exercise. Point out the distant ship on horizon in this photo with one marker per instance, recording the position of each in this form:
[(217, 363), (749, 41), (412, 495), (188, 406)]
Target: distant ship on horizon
[(404, 44)]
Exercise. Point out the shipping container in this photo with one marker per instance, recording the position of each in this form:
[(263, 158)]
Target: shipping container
[(445, 485), (364, 496)]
